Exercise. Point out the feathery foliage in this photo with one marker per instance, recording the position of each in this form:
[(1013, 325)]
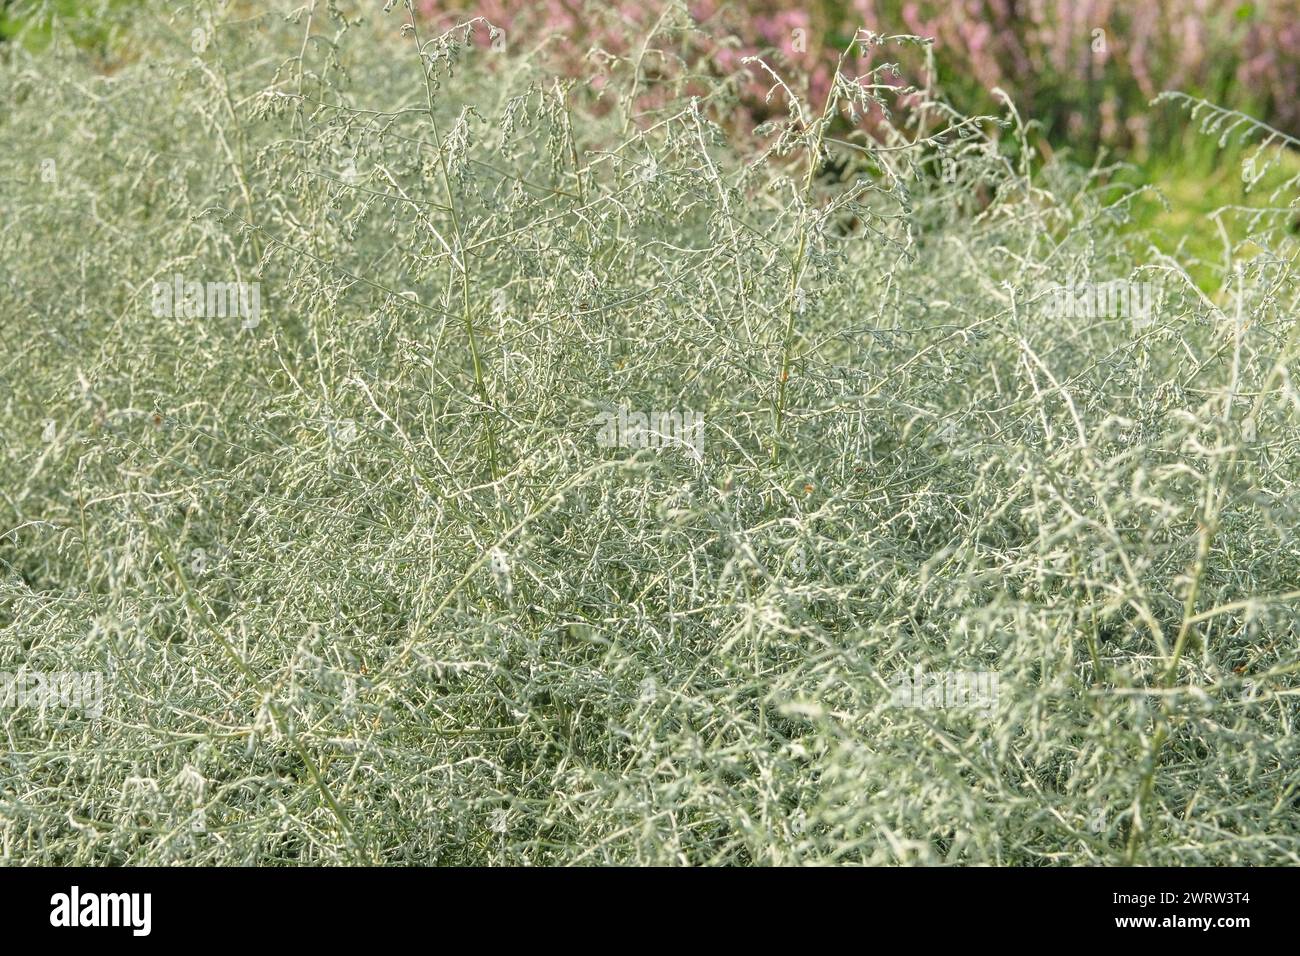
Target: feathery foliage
[(365, 587)]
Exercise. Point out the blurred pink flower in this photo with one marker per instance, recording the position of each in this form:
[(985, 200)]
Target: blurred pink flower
[(1059, 59)]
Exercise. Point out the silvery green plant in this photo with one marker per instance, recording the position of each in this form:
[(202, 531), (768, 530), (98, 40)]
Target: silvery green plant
[(365, 586)]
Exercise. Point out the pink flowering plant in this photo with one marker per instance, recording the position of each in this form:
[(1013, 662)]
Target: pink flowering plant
[(1086, 69)]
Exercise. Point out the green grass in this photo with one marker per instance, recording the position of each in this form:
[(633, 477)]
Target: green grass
[(36, 23), (366, 588), (1201, 184)]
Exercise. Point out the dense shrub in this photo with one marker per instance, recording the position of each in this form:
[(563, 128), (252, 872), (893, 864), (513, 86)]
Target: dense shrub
[(364, 584)]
